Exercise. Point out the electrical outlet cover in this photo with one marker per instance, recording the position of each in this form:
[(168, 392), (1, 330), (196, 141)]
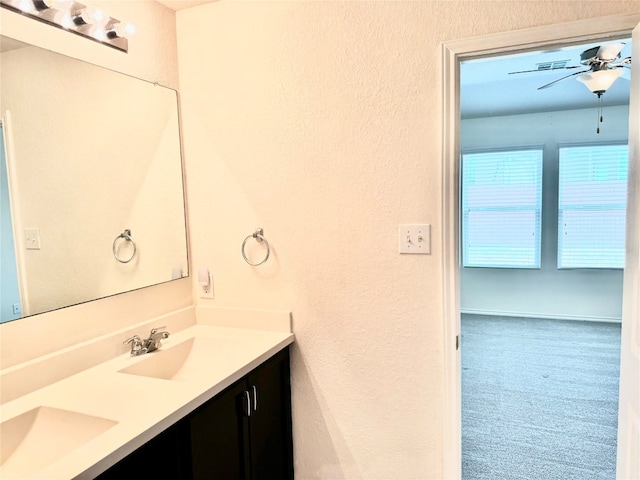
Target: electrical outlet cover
[(206, 289)]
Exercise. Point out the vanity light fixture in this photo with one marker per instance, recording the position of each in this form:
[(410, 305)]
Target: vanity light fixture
[(77, 18)]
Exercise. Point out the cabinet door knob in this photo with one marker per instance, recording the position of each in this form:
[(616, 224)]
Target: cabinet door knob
[(247, 403), (255, 398)]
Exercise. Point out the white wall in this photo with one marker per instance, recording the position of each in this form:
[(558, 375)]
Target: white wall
[(152, 56), (547, 292), (320, 122)]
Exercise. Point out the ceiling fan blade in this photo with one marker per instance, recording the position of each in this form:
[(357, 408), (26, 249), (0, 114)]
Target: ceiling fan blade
[(548, 69), (625, 62), (609, 52), (562, 78)]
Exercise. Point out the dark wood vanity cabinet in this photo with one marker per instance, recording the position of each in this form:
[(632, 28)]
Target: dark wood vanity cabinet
[(244, 432), (167, 453)]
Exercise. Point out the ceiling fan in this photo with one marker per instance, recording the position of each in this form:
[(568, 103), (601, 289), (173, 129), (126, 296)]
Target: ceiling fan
[(601, 66)]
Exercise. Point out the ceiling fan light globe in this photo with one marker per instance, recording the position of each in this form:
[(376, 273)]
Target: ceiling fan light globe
[(601, 80)]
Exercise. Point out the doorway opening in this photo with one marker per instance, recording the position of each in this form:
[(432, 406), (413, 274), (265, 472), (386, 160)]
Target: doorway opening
[(543, 240), (555, 37), (10, 306)]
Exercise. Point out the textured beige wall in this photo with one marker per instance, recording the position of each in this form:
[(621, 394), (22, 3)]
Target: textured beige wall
[(321, 123), (152, 56)]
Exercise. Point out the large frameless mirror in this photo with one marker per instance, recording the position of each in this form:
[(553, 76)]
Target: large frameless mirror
[(91, 199)]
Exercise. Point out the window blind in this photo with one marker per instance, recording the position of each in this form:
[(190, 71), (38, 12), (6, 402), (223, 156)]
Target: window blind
[(501, 209), (592, 206)]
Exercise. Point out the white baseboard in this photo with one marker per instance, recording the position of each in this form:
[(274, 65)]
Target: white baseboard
[(559, 316)]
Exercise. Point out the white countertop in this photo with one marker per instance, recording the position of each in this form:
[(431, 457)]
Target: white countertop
[(140, 406)]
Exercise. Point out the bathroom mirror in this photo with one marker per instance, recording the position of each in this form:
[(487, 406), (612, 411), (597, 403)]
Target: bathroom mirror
[(92, 198)]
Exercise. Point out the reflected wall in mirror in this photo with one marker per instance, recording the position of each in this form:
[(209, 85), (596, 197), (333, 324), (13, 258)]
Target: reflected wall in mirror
[(87, 154)]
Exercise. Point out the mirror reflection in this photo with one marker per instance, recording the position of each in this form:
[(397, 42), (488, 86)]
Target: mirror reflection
[(91, 199)]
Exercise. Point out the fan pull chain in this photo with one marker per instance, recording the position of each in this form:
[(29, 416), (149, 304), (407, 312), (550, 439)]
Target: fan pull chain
[(600, 117)]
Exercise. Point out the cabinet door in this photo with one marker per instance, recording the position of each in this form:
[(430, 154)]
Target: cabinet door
[(168, 453), (218, 437), (243, 433), (270, 422)]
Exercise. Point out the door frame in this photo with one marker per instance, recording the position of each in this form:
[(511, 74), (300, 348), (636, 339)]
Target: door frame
[(14, 207), (453, 53)]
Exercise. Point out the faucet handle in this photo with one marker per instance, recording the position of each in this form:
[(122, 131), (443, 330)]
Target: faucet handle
[(137, 347), (155, 338), (135, 340)]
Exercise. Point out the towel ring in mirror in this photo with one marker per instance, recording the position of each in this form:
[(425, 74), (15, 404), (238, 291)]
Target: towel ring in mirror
[(126, 236)]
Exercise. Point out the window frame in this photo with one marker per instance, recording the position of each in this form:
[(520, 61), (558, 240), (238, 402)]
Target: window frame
[(537, 263), (560, 215)]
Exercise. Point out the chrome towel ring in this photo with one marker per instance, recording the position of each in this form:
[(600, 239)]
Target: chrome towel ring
[(126, 235), (259, 236)]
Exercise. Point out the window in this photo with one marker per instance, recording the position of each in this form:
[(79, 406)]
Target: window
[(592, 206), (501, 209)]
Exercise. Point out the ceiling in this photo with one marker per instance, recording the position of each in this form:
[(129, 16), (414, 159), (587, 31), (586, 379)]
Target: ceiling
[(487, 88), (181, 4), (7, 44)]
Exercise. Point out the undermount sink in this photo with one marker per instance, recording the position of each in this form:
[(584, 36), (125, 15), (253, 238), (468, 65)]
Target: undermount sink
[(35, 439), (187, 360)]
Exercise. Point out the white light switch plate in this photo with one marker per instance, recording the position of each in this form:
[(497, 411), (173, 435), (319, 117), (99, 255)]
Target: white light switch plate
[(415, 238)]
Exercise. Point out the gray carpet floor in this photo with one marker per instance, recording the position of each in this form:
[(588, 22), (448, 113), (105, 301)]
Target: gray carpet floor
[(539, 398)]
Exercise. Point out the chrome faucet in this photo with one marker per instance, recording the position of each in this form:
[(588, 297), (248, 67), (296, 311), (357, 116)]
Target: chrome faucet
[(137, 346), (154, 341)]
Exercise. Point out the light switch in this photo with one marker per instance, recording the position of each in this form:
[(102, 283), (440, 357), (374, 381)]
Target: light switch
[(32, 238), (415, 238)]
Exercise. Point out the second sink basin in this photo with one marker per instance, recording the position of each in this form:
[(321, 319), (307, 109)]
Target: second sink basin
[(186, 361), (35, 439)]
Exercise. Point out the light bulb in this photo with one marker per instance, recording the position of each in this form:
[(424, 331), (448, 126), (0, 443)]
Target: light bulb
[(83, 17), (121, 30), (42, 4), (62, 5), (65, 20), (99, 33), (129, 30), (26, 6), (100, 18)]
